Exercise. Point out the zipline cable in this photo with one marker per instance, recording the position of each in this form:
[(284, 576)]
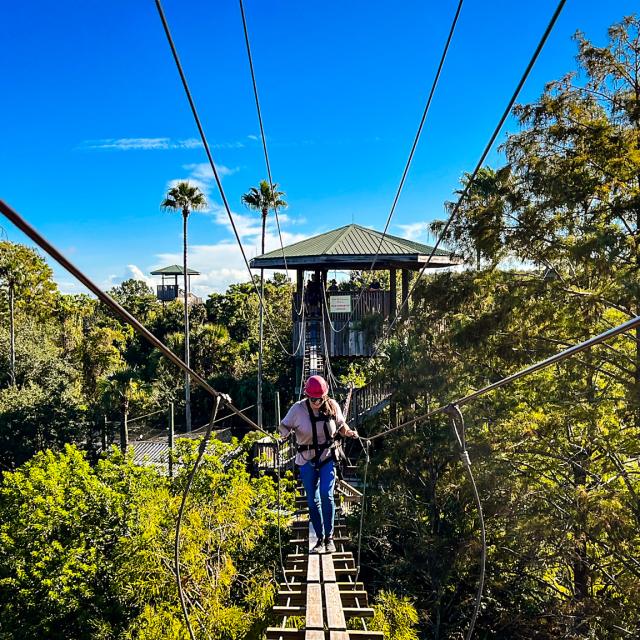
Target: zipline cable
[(538, 366), (120, 311), (176, 546), (407, 166), (458, 427), (483, 157), (264, 139), (216, 176)]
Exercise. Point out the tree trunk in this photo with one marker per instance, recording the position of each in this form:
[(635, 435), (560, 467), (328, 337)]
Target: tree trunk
[(12, 337), (187, 379), (261, 326)]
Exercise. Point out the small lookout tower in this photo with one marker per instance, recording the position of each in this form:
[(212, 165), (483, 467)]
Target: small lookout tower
[(168, 292), (323, 313)]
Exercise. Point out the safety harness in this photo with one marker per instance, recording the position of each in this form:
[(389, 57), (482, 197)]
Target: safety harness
[(316, 446)]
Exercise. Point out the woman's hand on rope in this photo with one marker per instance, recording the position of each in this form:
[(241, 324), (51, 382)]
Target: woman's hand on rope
[(350, 433)]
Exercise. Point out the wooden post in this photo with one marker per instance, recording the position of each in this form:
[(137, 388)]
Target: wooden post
[(300, 281), (12, 337), (104, 434), (405, 292), (124, 432), (393, 294), (171, 432)]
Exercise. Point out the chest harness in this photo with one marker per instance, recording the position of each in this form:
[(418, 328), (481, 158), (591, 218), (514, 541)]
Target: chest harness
[(318, 448)]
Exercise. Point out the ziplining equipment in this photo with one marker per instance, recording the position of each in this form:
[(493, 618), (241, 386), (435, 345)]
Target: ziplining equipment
[(216, 176), (483, 157), (120, 311), (404, 173)]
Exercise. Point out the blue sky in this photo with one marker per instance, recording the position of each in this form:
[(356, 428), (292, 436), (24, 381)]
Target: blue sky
[(95, 124)]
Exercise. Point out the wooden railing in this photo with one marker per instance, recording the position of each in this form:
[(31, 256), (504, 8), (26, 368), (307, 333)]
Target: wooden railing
[(265, 454), (366, 401), (371, 301), (167, 292)]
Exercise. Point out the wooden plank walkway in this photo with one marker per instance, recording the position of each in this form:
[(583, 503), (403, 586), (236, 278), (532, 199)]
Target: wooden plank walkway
[(320, 588)]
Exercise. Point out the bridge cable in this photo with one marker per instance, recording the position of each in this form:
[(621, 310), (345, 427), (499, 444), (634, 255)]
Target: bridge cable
[(365, 447), (538, 366), (408, 163), (120, 311), (176, 547), (279, 508), (483, 157), (264, 138), (216, 176), (458, 427)]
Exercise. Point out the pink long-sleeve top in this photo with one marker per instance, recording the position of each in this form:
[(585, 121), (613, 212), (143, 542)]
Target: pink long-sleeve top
[(298, 421)]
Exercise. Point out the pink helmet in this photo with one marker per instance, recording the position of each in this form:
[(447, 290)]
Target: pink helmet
[(316, 387)]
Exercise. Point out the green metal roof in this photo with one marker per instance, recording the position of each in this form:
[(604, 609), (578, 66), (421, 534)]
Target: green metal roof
[(354, 246), (174, 270)]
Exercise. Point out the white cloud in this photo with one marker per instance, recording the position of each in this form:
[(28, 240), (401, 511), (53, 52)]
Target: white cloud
[(131, 272), (203, 171), (221, 264), (415, 231), (141, 144), (154, 144), (201, 175)]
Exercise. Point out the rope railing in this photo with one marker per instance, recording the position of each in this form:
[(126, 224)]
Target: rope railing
[(119, 310), (538, 366)]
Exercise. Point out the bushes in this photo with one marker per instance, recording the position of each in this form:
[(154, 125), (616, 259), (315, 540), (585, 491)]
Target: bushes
[(88, 552)]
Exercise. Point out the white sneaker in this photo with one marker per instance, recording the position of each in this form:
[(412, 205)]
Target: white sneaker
[(329, 545), (319, 548)]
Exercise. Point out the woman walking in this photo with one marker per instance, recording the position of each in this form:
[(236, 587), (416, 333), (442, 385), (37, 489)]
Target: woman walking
[(316, 420)]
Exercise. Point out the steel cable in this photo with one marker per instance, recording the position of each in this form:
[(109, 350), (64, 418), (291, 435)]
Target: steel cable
[(120, 311), (216, 176), (264, 139), (416, 139), (483, 157), (176, 548)]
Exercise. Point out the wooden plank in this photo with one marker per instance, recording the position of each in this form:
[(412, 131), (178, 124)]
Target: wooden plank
[(345, 571), (279, 633), (314, 635), (333, 604), (288, 611), (344, 562), (353, 598), (351, 586), (359, 634), (297, 598), (357, 612), (314, 607), (313, 569), (328, 572), (338, 635)]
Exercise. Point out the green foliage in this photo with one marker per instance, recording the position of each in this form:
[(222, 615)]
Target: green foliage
[(395, 616), (88, 552), (555, 454)]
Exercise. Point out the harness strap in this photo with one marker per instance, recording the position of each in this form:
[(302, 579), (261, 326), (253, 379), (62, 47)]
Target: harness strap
[(318, 448), (309, 447)]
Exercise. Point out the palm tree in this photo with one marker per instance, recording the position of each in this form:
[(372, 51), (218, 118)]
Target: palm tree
[(262, 199), (185, 198), (121, 389)]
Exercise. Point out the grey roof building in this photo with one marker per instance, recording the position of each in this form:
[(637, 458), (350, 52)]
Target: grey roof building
[(354, 247)]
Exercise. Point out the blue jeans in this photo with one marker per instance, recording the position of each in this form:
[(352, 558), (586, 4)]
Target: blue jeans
[(318, 485)]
